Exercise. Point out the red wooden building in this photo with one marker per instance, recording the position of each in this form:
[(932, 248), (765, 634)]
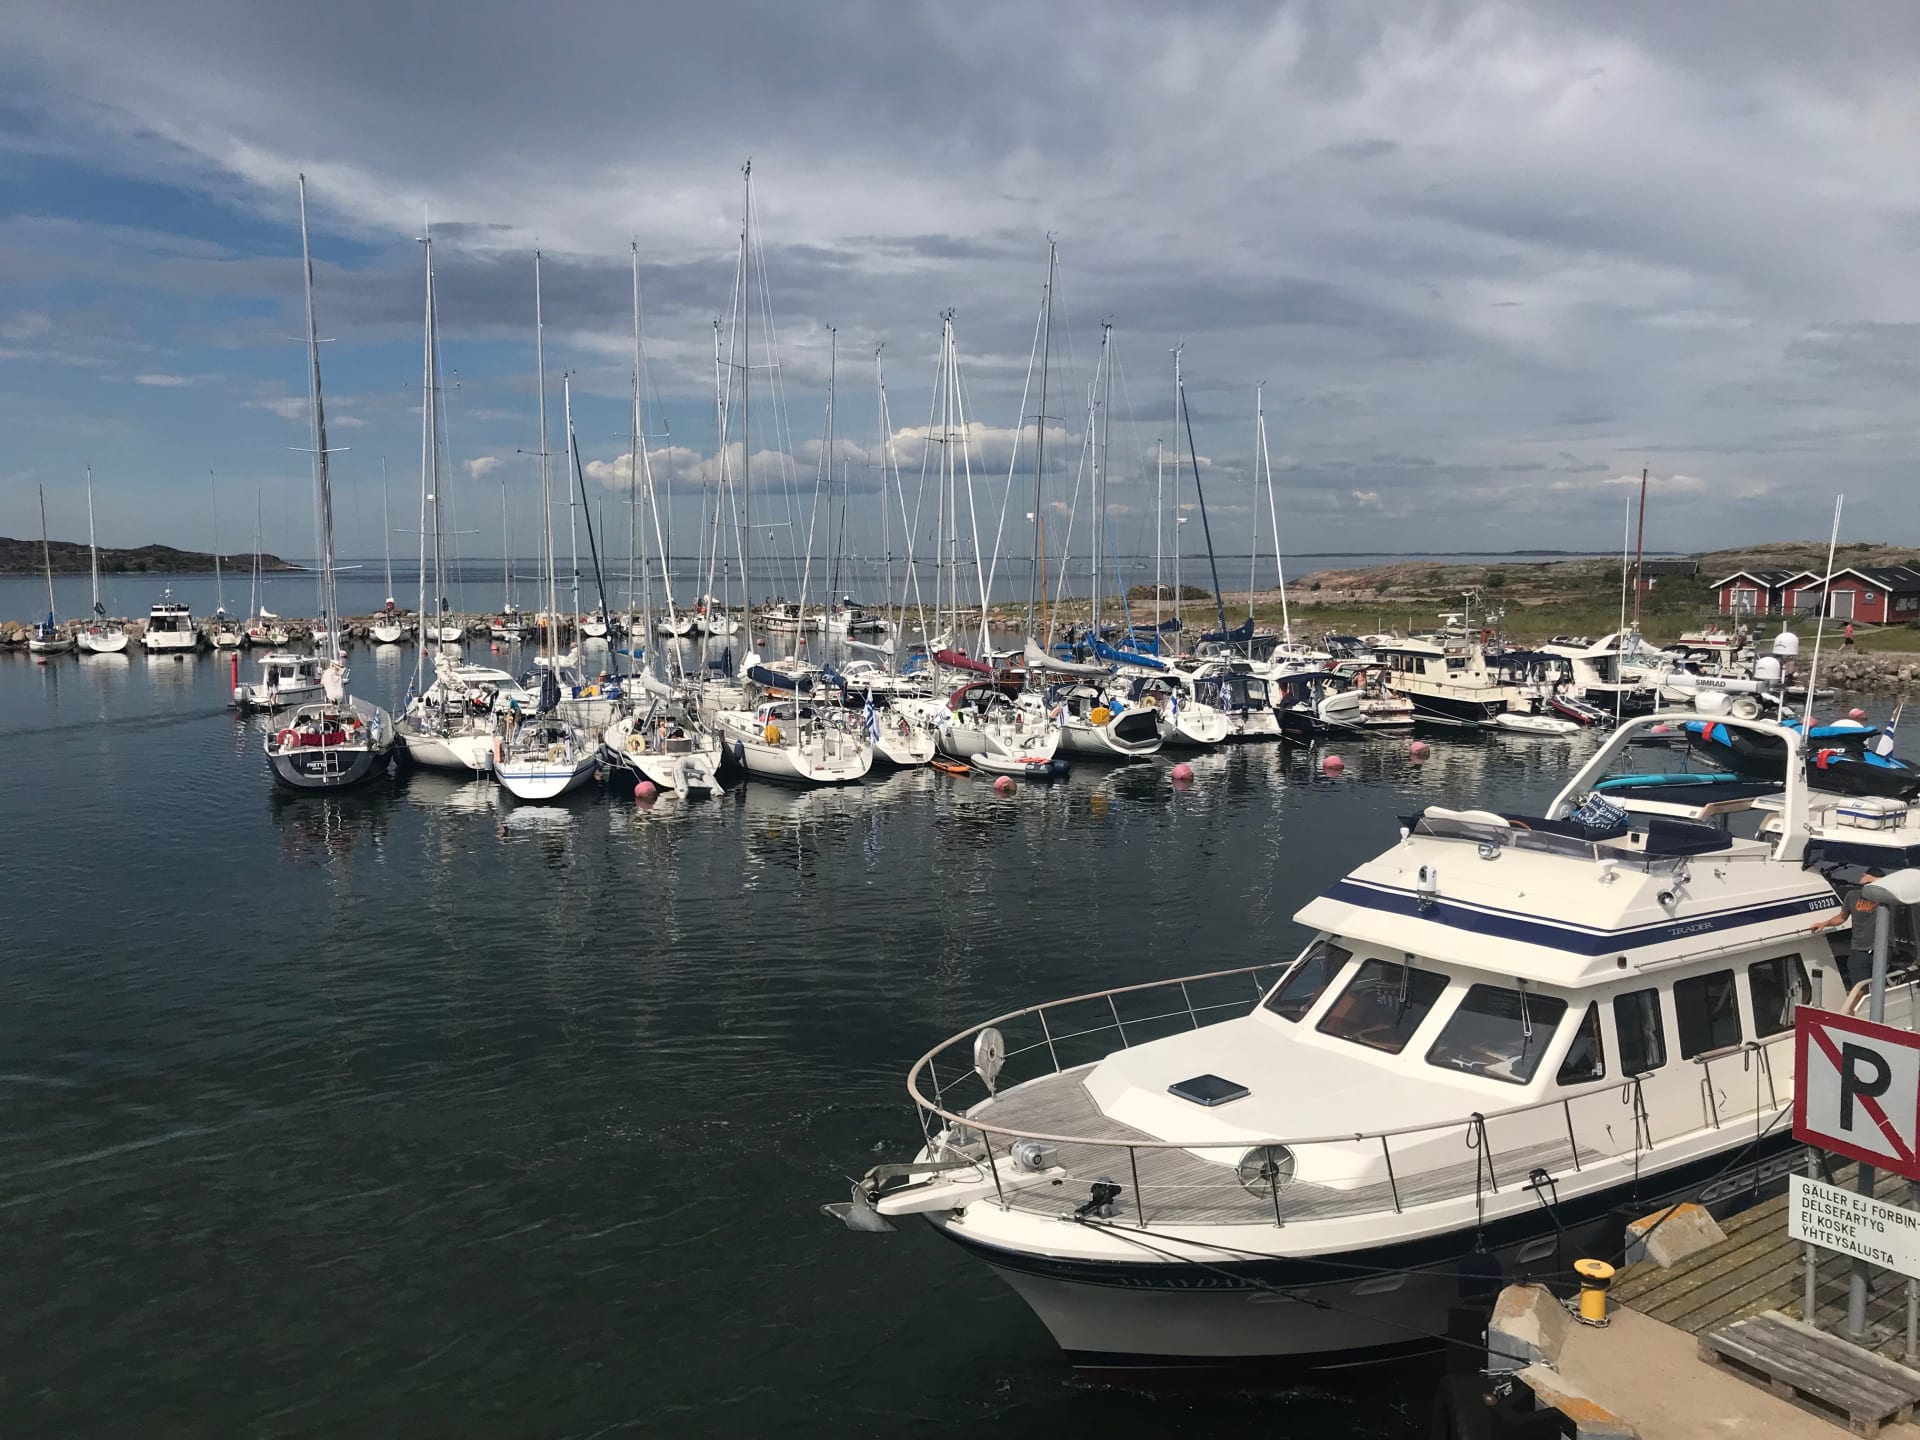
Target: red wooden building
[(1757, 592), (1872, 595)]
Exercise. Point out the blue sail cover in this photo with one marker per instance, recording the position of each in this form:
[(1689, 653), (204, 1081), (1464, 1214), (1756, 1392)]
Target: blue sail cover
[(1242, 631), (774, 680), (1124, 657)]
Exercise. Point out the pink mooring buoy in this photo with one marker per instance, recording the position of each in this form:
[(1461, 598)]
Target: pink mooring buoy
[(1856, 714), (1419, 750), (644, 791), (1183, 774), (1660, 729), (1004, 785), (1333, 765)]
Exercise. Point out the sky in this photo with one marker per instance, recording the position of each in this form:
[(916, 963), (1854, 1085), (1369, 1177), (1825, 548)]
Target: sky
[(1483, 262)]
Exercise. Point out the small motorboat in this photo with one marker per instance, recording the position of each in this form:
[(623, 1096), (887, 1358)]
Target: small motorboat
[(1020, 767), (1522, 724), (1839, 759), (1567, 707)]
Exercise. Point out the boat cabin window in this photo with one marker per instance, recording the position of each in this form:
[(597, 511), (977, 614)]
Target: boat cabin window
[(1707, 1011), (1775, 987), (1383, 1005), (1307, 980), (1641, 1031), (1498, 1032), (1586, 1057)]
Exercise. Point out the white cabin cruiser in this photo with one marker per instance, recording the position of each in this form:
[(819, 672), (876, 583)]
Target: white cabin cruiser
[(285, 680), (1097, 726), (1448, 680), (170, 629), (1506, 1032), (1237, 692)]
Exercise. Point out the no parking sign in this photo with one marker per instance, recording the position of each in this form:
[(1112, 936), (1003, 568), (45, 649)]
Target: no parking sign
[(1858, 1092)]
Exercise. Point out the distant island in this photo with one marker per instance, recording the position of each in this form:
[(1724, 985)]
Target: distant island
[(22, 557)]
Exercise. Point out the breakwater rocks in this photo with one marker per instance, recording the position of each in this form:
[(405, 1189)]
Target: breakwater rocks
[(1888, 671)]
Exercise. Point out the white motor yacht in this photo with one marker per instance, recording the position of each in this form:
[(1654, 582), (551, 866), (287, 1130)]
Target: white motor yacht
[(170, 629), (285, 680), (1505, 1032), (1449, 682)]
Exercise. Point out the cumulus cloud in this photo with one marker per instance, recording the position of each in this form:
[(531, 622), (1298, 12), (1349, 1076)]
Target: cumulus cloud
[(1475, 247), (482, 466), (163, 381)]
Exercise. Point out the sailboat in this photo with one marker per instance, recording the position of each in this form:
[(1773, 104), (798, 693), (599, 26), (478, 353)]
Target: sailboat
[(972, 711), (452, 722), (790, 740), (263, 626), (48, 638), (222, 631), (101, 636), (654, 735), (389, 628), (339, 741), (542, 756)]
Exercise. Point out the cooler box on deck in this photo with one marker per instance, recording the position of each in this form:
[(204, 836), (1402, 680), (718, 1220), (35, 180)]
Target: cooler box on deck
[(1872, 812)]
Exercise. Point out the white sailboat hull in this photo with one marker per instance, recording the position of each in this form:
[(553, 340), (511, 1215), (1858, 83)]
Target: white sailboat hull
[(388, 634), (542, 779), (1128, 736), (169, 642), (821, 757), (464, 754), (106, 642), (1196, 727), (685, 764), (58, 645)]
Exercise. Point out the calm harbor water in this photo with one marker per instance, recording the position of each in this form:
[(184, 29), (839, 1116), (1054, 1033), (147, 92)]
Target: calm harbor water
[(416, 1112)]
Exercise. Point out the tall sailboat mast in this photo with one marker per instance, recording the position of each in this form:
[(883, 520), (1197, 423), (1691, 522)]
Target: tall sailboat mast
[(746, 401), (1040, 434), (386, 530), (46, 555), (219, 581), (550, 598), (323, 491), (93, 550), (1273, 518), (1102, 459)]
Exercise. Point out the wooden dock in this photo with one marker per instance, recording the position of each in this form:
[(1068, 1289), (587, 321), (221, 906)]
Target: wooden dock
[(1759, 1269)]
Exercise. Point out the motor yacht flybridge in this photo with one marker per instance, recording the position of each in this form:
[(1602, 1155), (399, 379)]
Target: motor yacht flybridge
[(1505, 1031)]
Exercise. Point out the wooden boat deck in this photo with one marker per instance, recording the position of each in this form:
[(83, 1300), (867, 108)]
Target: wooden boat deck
[(1178, 1187)]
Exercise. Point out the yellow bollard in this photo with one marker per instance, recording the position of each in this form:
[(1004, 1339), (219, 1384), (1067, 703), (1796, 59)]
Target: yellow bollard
[(1595, 1277)]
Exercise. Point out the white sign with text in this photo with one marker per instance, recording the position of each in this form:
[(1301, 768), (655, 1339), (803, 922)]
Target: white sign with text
[(1857, 1225)]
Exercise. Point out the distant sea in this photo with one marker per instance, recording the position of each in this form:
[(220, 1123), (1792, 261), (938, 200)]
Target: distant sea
[(475, 586)]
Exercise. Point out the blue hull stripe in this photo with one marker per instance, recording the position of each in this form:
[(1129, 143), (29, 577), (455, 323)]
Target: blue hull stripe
[(1574, 939)]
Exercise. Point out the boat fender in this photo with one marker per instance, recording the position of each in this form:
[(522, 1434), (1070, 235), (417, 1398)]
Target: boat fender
[(499, 752), (740, 752)]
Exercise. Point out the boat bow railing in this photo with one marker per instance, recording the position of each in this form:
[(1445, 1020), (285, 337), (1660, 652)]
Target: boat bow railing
[(981, 1096)]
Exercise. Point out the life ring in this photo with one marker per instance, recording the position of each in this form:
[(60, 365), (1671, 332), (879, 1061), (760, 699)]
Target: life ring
[(284, 738), (553, 754), (636, 744), (1825, 757)]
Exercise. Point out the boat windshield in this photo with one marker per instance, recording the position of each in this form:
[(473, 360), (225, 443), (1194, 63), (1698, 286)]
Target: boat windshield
[(1499, 1032), (1383, 1005), (1293, 997)]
